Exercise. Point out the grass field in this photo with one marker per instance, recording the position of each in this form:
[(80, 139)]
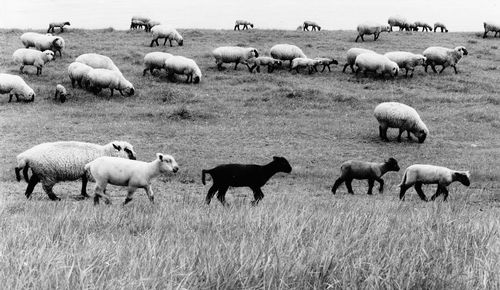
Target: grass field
[(300, 236)]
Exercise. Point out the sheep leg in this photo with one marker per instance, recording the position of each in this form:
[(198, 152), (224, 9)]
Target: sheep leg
[(221, 195), (48, 189), (144, 71), (170, 41), (211, 193), (21, 68), (445, 192), (150, 194), (252, 68), (348, 185), (375, 36), (371, 182), (235, 27), (433, 68), (10, 97), (187, 79), (258, 195), (111, 92), (455, 68), (130, 193), (31, 185), (236, 65), (55, 96), (400, 133), (219, 66), (381, 187), (444, 68), (438, 192), (73, 83), (418, 188), (337, 183), (345, 66), (84, 186), (403, 189), (408, 135), (383, 133), (358, 38), (153, 41)]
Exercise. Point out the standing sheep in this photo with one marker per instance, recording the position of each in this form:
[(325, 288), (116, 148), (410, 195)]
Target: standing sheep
[(131, 173), (244, 23), (313, 25), (53, 25), (95, 60), (271, 63), (418, 174), (310, 63), (377, 63), (354, 169), (445, 57), (440, 25), (151, 24), (425, 26), (490, 26), (77, 72), (100, 78), (352, 54), (15, 86), (61, 93), (167, 32), (43, 42), (185, 66), (326, 62), (236, 54), (406, 60), (155, 60), (368, 28), (38, 59), (402, 117), (54, 162), (286, 52), (399, 21)]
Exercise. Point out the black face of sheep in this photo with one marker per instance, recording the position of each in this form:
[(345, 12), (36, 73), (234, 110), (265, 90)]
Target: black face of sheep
[(130, 154), (181, 42), (251, 25), (392, 164), (464, 51), (282, 164), (422, 137), (67, 23), (196, 79), (462, 178), (256, 54)]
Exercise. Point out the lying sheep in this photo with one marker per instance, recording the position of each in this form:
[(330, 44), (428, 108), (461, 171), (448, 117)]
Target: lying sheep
[(326, 62), (397, 21), (100, 78), (38, 59), (352, 54), (77, 72), (167, 32), (309, 63), (445, 57), (402, 117), (61, 93), (406, 60), (243, 175), (376, 63), (95, 60), (440, 25), (185, 66), (313, 25), (43, 42), (54, 162), (490, 26), (244, 23), (286, 52), (270, 62), (155, 60), (236, 54), (15, 86), (425, 26), (369, 28), (53, 25), (418, 174), (353, 169), (131, 173)]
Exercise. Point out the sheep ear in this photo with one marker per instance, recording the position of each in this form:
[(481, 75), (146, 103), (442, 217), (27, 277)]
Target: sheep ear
[(117, 147), (159, 156)]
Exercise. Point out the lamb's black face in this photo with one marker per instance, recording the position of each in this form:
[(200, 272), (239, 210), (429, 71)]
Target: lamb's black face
[(282, 164), (422, 137), (334, 61), (393, 164), (463, 178)]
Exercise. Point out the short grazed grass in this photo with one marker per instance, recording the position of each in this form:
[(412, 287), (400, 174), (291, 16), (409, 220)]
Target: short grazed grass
[(300, 236)]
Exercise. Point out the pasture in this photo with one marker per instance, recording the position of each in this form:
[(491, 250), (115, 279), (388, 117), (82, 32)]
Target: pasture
[(300, 235)]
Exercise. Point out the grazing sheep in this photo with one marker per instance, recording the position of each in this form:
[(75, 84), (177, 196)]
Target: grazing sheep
[(244, 23), (270, 62), (131, 173), (406, 60), (54, 162), (440, 25), (326, 62), (490, 26), (155, 60), (167, 32), (425, 26), (368, 28), (418, 174), (243, 175), (236, 54), (43, 42), (377, 63), (411, 26), (139, 22), (15, 86), (100, 78), (61, 93), (401, 116), (313, 25), (286, 52), (445, 57), (351, 55), (397, 21), (310, 63), (38, 59), (77, 72), (53, 25), (185, 66), (353, 169), (95, 60), (151, 24)]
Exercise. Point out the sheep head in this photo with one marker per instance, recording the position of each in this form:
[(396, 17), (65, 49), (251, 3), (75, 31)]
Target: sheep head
[(124, 147), (463, 177), (49, 55), (461, 50), (392, 164), (167, 163), (282, 164)]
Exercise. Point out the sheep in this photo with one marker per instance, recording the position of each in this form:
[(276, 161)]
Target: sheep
[(418, 174), (401, 116), (445, 57), (100, 78), (425, 26), (313, 24), (310, 63), (368, 28), (167, 32), (77, 72), (326, 62), (236, 54), (151, 24), (397, 21), (54, 162), (139, 22), (131, 173), (15, 86), (182, 65), (154, 60), (354, 169), (25, 56), (61, 93), (244, 23), (406, 60), (53, 25), (490, 26), (352, 53), (286, 52), (95, 60), (440, 25), (377, 63), (243, 175), (271, 63), (43, 42)]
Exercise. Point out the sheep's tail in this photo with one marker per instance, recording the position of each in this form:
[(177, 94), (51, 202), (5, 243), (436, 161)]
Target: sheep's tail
[(22, 164), (203, 172), (404, 179)]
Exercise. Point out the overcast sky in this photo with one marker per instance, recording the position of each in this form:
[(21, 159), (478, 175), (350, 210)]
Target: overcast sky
[(458, 15)]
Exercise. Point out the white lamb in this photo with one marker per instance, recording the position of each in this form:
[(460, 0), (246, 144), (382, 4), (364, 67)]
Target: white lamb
[(185, 66), (61, 93), (418, 174), (61, 25), (244, 23), (440, 25), (270, 62), (131, 173), (100, 78), (402, 117), (168, 32), (326, 62), (77, 72), (369, 28), (397, 21), (54, 162), (286, 52), (491, 26), (445, 57), (309, 63), (43, 42), (155, 60), (95, 60), (38, 59), (15, 86), (376, 63), (406, 60), (313, 25), (352, 54), (236, 54)]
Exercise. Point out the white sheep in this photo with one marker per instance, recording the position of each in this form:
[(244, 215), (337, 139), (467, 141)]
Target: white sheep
[(418, 174), (131, 173), (236, 54), (15, 86), (369, 28), (155, 60), (167, 32), (445, 57), (53, 25), (491, 26), (313, 25), (406, 60), (440, 25), (61, 93), (95, 60), (244, 23), (270, 62), (286, 52), (377, 63), (54, 162), (77, 72), (151, 24), (424, 25), (399, 21), (43, 42), (185, 66), (351, 55), (38, 59), (100, 78), (309, 63), (326, 62), (402, 117)]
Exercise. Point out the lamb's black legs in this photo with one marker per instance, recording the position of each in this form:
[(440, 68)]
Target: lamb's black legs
[(348, 185), (258, 195), (336, 185), (211, 193), (84, 186), (383, 133), (381, 187), (371, 182), (31, 185), (221, 195), (418, 188)]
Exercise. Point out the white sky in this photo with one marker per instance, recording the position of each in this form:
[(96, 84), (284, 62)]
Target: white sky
[(458, 15)]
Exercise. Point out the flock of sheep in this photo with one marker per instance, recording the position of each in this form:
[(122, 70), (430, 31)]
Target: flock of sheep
[(114, 163)]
